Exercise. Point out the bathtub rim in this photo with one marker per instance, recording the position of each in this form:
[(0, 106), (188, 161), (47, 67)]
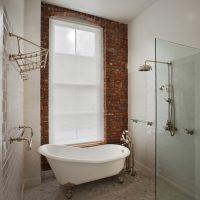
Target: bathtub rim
[(41, 150)]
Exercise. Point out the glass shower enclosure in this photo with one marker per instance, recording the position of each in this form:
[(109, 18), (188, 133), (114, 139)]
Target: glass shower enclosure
[(177, 122)]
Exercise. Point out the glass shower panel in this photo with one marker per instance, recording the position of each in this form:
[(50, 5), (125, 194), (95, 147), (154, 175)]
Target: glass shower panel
[(178, 122)]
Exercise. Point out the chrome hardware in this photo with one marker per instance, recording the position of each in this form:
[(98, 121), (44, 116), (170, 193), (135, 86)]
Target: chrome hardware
[(69, 189), (141, 121), (170, 127), (146, 67), (169, 88), (171, 122), (165, 88), (22, 138), (28, 61), (149, 123), (169, 100), (189, 131), (162, 88), (125, 138), (126, 141)]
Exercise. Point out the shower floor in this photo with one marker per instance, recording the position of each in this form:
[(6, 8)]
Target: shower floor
[(167, 192), (140, 187)]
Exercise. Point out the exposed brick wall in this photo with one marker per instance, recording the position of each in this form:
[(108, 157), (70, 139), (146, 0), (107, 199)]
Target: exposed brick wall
[(115, 72)]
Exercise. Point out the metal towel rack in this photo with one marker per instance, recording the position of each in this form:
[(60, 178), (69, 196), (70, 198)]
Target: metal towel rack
[(142, 121), (28, 61)]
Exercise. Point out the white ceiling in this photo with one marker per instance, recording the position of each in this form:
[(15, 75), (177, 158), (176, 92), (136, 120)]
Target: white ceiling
[(117, 10)]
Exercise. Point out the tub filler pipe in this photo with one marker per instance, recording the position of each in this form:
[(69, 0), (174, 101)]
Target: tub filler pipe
[(127, 142)]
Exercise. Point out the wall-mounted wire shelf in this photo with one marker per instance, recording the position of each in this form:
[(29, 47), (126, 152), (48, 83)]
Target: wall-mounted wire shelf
[(28, 61), (142, 121)]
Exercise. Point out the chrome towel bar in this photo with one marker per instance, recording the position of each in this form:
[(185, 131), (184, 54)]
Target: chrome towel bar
[(142, 121)]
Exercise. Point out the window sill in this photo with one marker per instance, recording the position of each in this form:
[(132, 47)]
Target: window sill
[(89, 144), (74, 84)]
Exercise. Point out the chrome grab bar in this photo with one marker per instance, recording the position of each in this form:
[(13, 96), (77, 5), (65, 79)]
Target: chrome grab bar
[(142, 121), (22, 138)]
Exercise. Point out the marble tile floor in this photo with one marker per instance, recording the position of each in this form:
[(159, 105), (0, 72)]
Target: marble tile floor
[(140, 187), (167, 192)]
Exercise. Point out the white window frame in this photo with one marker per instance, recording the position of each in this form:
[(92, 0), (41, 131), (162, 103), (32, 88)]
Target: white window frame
[(61, 22)]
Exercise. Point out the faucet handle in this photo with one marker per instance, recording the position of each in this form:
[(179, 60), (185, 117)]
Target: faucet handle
[(30, 142)]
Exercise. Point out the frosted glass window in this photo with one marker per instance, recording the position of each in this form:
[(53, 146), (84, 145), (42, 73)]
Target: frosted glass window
[(85, 42), (64, 68), (64, 98), (64, 40), (76, 85)]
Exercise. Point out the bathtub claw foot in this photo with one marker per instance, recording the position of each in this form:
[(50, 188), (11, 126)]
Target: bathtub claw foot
[(69, 194), (121, 177), (69, 187)]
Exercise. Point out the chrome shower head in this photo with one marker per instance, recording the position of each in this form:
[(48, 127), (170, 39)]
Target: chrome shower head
[(145, 68)]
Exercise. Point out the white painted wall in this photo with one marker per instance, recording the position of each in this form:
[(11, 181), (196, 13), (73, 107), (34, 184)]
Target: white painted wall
[(12, 168), (173, 20), (23, 99), (32, 94)]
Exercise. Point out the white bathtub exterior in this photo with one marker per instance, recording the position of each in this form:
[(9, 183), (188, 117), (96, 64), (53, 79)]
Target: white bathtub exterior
[(80, 165)]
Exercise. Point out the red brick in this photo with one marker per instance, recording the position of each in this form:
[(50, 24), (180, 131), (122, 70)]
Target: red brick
[(115, 72)]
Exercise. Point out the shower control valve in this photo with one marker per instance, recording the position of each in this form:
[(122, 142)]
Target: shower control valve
[(169, 100), (165, 88)]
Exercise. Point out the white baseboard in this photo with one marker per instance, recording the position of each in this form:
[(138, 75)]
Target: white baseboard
[(146, 170), (177, 186), (22, 191), (150, 172), (47, 174), (32, 182)]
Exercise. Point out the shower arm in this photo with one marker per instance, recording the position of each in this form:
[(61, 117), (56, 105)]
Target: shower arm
[(160, 62)]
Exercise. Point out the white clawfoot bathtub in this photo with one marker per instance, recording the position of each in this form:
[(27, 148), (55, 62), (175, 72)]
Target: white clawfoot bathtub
[(73, 165)]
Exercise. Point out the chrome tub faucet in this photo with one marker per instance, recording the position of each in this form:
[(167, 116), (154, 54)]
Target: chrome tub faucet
[(22, 138)]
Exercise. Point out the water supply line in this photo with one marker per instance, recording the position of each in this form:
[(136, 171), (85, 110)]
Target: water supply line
[(171, 124), (127, 142)]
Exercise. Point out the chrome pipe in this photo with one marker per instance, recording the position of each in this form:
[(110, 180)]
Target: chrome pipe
[(127, 142), (159, 62)]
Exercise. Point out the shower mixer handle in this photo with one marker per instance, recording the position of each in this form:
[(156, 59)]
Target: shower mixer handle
[(170, 127), (169, 100), (165, 88)]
